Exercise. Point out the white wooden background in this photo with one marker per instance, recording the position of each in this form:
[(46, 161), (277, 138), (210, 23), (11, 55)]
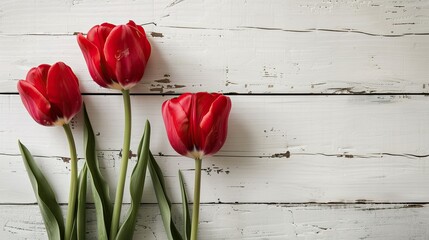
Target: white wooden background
[(329, 130)]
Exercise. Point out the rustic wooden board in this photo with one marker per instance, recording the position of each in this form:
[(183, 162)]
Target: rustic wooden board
[(361, 126), (256, 221), (223, 60), (284, 47), (298, 179), (381, 17)]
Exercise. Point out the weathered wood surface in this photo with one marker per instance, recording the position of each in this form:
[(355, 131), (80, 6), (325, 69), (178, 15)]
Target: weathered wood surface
[(279, 148), (256, 221), (293, 63), (242, 47), (383, 17), (266, 126), (297, 179)]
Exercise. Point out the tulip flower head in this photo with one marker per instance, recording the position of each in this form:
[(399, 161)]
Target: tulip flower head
[(51, 94), (197, 124), (116, 56)]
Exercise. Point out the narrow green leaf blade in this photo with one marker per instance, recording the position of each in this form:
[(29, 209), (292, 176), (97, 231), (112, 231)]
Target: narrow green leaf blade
[(81, 203), (185, 209), (74, 230), (100, 189), (137, 181), (163, 201), (45, 196)]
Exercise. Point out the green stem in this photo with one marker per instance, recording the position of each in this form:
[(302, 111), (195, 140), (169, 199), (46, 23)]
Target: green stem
[(124, 164), (73, 183), (196, 206)]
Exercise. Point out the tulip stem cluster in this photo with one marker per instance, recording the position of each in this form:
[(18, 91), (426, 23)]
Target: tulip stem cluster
[(116, 57), (196, 205), (124, 165), (73, 182)]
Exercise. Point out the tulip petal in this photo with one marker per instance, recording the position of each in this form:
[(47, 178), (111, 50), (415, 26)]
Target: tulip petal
[(97, 35), (93, 61), (177, 124), (37, 76), (63, 91), (201, 104), (36, 104), (214, 125), (143, 39), (125, 55)]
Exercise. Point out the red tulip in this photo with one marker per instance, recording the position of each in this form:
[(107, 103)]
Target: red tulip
[(197, 124), (51, 94), (116, 55)]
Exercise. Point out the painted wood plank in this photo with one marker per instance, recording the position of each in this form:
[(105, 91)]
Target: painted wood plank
[(222, 60), (382, 17), (330, 222), (311, 178), (361, 126)]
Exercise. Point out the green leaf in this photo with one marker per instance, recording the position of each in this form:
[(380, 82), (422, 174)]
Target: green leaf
[(74, 231), (100, 189), (186, 216), (45, 196), (137, 180), (81, 204), (163, 201)]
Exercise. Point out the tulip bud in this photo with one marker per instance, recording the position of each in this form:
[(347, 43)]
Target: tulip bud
[(116, 56), (51, 94), (197, 124)]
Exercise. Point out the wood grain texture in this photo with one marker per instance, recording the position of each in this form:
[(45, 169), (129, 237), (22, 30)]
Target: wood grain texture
[(261, 221), (361, 126), (279, 148), (287, 47), (383, 17), (273, 62), (297, 179)]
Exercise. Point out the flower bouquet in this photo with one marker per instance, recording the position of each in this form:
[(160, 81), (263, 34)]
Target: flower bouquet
[(196, 126)]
